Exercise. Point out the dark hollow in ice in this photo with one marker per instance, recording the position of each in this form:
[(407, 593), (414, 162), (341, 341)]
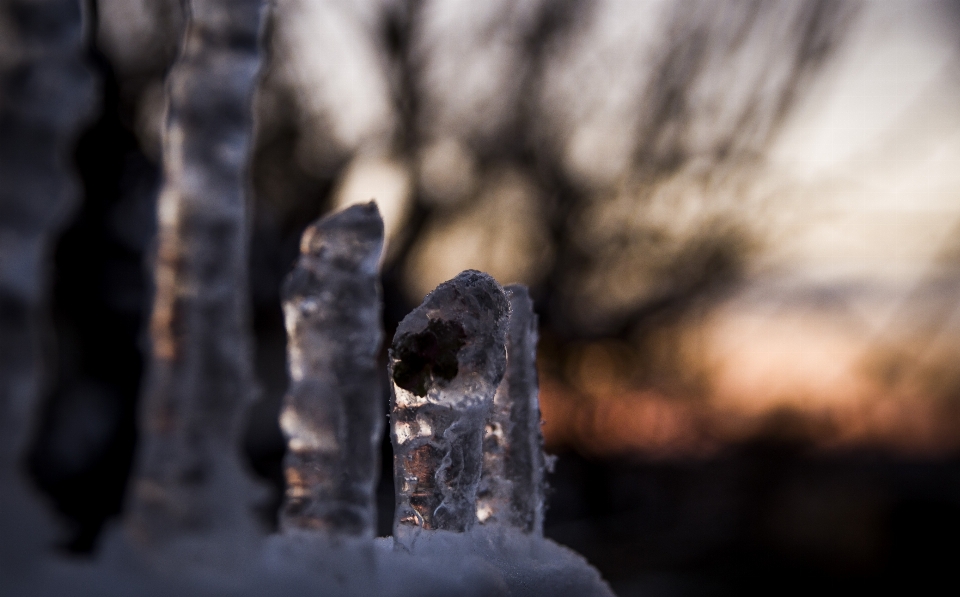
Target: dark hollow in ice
[(429, 358)]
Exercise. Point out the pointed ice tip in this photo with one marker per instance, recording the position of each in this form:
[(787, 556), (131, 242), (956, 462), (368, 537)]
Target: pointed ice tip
[(347, 238), (361, 215)]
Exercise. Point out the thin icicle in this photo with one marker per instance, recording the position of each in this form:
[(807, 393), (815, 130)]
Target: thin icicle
[(512, 486), (332, 414), (190, 482), (45, 93)]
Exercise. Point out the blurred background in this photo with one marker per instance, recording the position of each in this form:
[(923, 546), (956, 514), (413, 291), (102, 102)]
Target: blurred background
[(740, 221)]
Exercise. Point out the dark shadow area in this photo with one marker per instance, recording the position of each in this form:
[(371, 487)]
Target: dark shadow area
[(761, 517)]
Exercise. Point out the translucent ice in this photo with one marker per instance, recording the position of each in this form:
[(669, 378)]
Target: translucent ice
[(332, 415), (191, 497), (486, 561), (512, 486), (190, 482), (45, 93), (446, 361)]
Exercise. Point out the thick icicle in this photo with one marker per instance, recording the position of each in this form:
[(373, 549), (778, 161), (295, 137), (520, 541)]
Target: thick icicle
[(190, 483), (512, 486), (45, 93), (446, 361), (332, 415)]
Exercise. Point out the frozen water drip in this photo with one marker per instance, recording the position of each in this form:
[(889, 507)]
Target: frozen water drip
[(512, 485), (446, 361), (190, 482), (332, 414)]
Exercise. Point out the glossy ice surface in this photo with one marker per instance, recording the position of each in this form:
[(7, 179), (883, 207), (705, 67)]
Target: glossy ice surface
[(332, 415), (446, 361)]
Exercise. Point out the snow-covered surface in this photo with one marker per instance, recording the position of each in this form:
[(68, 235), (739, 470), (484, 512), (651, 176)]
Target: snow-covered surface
[(482, 562)]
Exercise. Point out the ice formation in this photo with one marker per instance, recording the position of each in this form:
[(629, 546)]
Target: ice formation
[(446, 361), (332, 415), (189, 507), (512, 485), (190, 484), (45, 93)]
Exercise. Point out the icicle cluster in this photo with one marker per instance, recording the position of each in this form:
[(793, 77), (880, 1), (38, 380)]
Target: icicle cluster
[(190, 482), (465, 429), (466, 437), (332, 415), (190, 504), (465, 412)]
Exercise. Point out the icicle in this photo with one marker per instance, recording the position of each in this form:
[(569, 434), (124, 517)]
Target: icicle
[(446, 361), (45, 93), (332, 415), (190, 481), (512, 486)]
